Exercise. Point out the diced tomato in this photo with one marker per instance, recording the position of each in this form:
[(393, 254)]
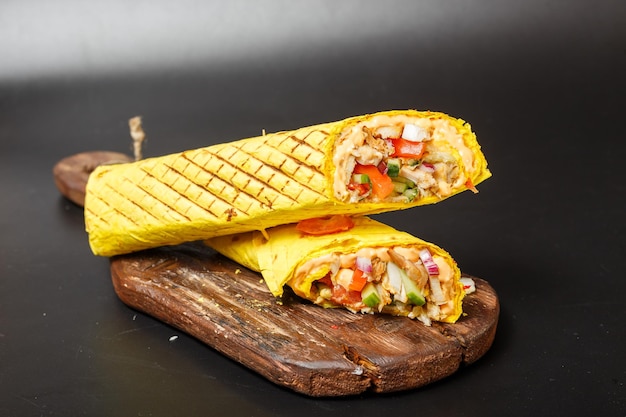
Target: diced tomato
[(325, 225), (361, 188), (358, 281), (326, 281), (342, 296), (345, 297), (407, 149), (382, 185)]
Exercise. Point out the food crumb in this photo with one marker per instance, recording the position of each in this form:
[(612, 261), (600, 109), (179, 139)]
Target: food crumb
[(358, 370), (237, 271), (172, 338)]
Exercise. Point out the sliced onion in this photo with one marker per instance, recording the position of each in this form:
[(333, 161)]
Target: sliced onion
[(401, 296), (436, 294), (429, 263), (382, 167), (364, 264), (425, 166), (414, 133), (395, 277)]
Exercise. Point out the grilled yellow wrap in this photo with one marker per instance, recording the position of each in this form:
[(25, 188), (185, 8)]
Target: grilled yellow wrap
[(322, 269), (279, 178)]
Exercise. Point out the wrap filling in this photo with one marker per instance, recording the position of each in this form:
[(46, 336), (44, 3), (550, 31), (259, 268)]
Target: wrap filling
[(400, 280), (397, 158)]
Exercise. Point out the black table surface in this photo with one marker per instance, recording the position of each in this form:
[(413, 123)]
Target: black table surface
[(541, 82)]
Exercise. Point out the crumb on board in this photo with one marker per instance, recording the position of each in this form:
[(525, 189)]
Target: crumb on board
[(358, 370), (237, 271)]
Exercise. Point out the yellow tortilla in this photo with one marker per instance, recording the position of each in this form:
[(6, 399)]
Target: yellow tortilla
[(280, 261), (278, 178)]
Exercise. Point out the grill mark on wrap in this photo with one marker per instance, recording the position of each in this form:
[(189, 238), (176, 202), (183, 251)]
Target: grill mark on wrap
[(213, 174), (250, 176), (96, 216), (290, 176), (282, 147), (299, 142), (303, 142), (127, 198), (313, 167), (185, 193), (155, 200), (205, 188), (297, 162), (160, 200), (303, 184), (218, 196)]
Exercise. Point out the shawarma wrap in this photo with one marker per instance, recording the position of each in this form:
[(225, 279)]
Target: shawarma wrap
[(361, 165), (370, 268)]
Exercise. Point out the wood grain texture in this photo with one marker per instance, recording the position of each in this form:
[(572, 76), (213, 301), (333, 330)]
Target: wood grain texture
[(311, 350)]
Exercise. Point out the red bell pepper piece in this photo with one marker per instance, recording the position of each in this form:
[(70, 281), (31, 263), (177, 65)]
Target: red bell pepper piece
[(407, 149), (382, 185), (358, 281), (325, 225)]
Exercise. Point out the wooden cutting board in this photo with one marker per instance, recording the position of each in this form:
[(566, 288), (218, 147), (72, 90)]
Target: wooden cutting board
[(295, 344)]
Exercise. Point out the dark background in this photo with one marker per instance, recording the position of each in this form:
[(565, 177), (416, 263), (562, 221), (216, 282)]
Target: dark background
[(541, 82)]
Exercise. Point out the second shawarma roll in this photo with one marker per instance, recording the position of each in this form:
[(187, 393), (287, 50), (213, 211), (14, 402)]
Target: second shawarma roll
[(361, 165), (369, 268)]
